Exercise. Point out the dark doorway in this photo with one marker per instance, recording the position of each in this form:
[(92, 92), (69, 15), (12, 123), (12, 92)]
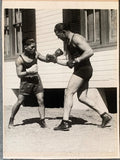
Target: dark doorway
[(53, 98)]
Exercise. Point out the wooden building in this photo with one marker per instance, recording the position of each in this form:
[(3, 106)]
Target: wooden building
[(99, 27)]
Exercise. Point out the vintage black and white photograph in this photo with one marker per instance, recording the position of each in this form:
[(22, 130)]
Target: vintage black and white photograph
[(60, 83)]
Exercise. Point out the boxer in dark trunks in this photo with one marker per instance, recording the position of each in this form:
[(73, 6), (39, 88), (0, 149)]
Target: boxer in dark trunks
[(30, 82), (78, 54)]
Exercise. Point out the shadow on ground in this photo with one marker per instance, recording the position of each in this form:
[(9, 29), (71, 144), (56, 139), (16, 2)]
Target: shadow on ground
[(74, 121)]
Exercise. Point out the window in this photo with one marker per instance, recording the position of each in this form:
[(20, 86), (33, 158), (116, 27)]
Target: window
[(92, 26), (99, 27), (18, 24), (12, 32), (113, 25), (6, 33)]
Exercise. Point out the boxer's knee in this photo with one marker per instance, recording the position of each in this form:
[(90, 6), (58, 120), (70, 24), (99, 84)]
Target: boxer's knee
[(20, 100), (82, 98), (40, 102), (69, 92), (40, 99)]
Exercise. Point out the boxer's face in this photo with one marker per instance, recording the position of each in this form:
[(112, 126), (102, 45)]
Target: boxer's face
[(30, 48), (61, 35)]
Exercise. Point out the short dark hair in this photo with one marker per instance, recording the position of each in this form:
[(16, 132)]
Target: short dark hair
[(61, 26), (28, 41)]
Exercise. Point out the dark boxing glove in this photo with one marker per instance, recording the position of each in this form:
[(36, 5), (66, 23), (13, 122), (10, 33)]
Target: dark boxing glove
[(58, 52), (70, 63), (51, 58)]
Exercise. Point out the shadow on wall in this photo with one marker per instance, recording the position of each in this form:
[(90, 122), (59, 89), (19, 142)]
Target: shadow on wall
[(54, 98)]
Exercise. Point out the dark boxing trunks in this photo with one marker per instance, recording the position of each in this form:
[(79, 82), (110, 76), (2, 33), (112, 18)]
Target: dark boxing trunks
[(84, 72), (31, 85)]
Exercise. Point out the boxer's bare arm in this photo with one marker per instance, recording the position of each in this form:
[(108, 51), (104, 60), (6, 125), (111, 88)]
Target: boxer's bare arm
[(64, 59), (19, 68), (62, 62), (40, 57), (82, 44), (59, 61)]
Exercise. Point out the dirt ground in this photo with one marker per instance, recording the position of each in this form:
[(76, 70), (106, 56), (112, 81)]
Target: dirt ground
[(84, 140)]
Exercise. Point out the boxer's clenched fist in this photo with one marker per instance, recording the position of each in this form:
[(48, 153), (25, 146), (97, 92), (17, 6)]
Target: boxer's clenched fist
[(51, 58), (71, 63), (33, 69)]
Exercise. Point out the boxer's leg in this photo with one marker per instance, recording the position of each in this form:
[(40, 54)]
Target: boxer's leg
[(74, 83), (82, 97), (15, 110), (41, 109)]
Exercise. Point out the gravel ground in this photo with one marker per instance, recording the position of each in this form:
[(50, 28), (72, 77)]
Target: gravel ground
[(84, 140)]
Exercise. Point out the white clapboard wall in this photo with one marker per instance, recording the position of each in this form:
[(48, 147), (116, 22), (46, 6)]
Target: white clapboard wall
[(104, 62), (56, 76), (105, 65), (47, 42)]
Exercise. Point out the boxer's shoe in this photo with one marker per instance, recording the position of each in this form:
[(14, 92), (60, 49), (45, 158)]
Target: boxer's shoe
[(11, 124), (42, 123), (106, 118), (63, 126)]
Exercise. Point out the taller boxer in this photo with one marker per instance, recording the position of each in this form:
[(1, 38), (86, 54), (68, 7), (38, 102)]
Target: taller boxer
[(78, 53)]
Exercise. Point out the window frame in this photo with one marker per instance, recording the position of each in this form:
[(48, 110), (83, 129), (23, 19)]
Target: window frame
[(15, 33), (105, 41)]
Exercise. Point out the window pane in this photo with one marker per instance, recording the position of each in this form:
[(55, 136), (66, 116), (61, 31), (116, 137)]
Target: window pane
[(6, 43), (113, 25), (92, 21), (90, 25), (97, 25), (12, 32), (6, 33)]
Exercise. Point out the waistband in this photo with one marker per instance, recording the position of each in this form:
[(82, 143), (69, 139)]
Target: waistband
[(34, 79)]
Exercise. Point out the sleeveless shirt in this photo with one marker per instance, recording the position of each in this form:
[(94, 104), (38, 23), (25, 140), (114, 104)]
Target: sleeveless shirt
[(75, 52), (84, 68), (27, 65)]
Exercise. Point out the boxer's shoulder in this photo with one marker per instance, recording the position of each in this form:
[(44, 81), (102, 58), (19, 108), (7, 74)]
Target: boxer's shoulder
[(19, 59)]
